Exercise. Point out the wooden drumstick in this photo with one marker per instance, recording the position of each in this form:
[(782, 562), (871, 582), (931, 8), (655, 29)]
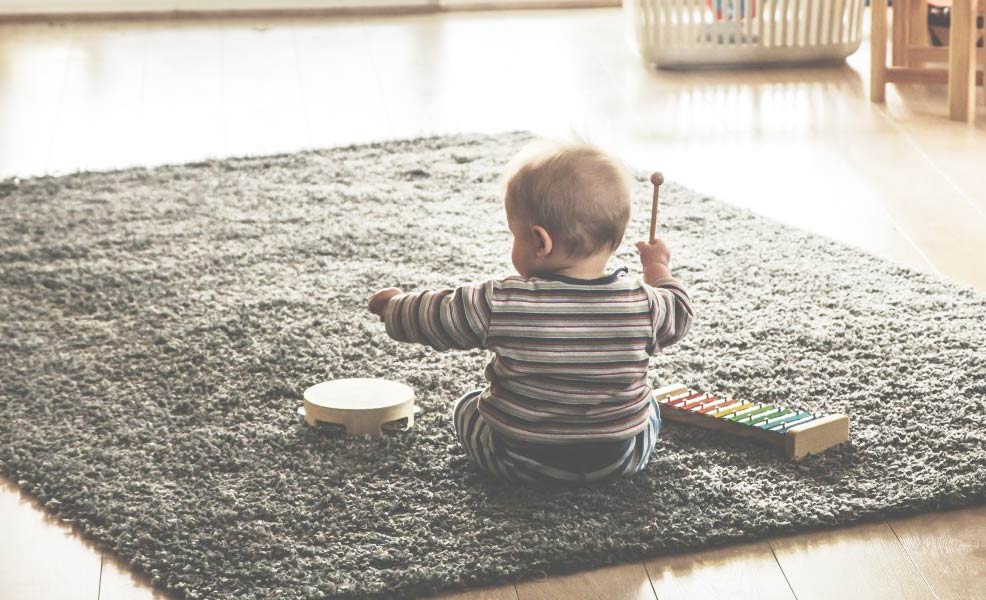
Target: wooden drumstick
[(657, 179)]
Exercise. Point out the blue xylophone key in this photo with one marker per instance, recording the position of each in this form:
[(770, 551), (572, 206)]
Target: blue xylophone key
[(799, 419), (789, 417)]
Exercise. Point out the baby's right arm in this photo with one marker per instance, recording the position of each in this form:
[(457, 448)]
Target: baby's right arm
[(655, 258), (443, 319), (671, 308)]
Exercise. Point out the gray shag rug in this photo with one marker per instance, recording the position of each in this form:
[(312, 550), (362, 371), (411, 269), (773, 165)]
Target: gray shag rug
[(159, 326)]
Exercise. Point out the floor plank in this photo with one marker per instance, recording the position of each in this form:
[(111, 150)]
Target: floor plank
[(918, 112), (620, 582), (865, 561), (261, 63), (941, 141), (949, 549), (99, 112), (40, 558), (182, 106), (345, 98), (117, 582), (33, 63), (503, 592), (741, 572)]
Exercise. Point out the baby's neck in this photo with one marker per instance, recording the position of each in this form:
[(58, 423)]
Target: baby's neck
[(592, 267)]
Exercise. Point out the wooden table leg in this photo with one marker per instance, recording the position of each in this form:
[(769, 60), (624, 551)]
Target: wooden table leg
[(962, 61), (878, 50), (899, 31), (917, 27)]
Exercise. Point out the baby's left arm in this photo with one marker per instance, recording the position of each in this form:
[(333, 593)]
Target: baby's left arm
[(443, 319)]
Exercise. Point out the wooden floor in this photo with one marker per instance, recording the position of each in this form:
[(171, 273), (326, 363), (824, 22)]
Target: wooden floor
[(803, 146)]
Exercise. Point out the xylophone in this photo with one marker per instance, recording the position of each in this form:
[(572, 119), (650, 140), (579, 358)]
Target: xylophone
[(796, 433)]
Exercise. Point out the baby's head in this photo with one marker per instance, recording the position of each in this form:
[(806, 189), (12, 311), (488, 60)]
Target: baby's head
[(567, 204)]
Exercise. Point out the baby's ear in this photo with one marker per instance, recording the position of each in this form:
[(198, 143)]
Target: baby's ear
[(545, 243)]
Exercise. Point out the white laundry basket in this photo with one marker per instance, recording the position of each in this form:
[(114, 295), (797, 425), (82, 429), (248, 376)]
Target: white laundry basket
[(688, 33)]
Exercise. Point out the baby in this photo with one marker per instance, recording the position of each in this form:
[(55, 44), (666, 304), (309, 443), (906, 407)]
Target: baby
[(568, 399)]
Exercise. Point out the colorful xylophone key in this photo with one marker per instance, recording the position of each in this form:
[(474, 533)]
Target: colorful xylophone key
[(796, 433)]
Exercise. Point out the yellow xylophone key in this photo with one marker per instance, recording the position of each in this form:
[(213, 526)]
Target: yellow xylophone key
[(746, 412), (732, 409), (727, 404)]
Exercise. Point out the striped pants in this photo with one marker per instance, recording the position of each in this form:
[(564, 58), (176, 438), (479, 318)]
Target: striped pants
[(577, 464)]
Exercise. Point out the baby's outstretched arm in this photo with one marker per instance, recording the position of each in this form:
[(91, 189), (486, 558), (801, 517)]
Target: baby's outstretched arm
[(671, 308), (443, 319), (379, 300)]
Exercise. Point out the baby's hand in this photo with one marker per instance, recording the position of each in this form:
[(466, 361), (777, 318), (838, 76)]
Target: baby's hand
[(654, 254), (379, 300), (655, 257)]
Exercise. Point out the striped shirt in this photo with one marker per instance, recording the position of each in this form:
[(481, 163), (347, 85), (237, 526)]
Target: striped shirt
[(570, 356)]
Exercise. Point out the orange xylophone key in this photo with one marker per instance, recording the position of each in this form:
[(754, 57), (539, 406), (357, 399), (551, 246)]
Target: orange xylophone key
[(698, 401), (717, 405)]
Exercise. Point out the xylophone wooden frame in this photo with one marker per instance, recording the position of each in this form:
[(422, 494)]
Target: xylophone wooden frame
[(811, 437)]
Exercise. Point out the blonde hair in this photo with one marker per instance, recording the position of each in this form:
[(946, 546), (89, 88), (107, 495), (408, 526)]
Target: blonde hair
[(579, 194)]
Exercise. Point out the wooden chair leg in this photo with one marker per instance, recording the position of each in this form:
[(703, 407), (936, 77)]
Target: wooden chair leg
[(962, 61), (878, 51)]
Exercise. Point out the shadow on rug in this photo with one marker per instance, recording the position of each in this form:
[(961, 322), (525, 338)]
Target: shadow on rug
[(158, 327)]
